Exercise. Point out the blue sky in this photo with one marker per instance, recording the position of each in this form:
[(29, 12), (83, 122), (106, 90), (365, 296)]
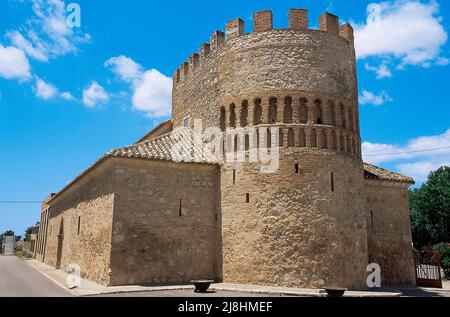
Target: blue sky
[(68, 95)]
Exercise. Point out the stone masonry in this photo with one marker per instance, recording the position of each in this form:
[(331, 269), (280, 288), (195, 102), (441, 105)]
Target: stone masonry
[(144, 214)]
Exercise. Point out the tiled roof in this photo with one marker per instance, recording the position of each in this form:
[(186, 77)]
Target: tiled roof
[(177, 146), (378, 173), (163, 128)]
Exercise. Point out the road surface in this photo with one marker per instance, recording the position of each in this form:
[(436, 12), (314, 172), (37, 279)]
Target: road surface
[(17, 279)]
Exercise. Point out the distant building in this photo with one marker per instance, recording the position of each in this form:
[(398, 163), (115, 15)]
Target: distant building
[(29, 246), (8, 245)]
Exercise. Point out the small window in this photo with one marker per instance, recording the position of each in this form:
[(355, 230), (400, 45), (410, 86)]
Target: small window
[(247, 198), (180, 211), (79, 225), (186, 123), (234, 177), (371, 219), (297, 168)]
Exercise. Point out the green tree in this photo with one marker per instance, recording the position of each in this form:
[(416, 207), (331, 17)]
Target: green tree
[(430, 209), (28, 233), (8, 233)]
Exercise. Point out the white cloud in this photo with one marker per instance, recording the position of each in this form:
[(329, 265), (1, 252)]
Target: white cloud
[(45, 90), (94, 94), (382, 71), (153, 94), (14, 64), (67, 96), (417, 158), (19, 41), (420, 170), (127, 69), (368, 97), (152, 91), (47, 35), (409, 31)]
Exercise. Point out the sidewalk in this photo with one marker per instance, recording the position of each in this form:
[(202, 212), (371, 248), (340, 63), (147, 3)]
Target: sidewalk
[(89, 288)]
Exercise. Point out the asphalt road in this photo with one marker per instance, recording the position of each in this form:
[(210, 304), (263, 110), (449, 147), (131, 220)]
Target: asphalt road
[(17, 279)]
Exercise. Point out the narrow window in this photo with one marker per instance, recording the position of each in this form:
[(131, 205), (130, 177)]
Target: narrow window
[(186, 123), (79, 225), (371, 219), (234, 177), (180, 211), (247, 198), (217, 217), (332, 182), (297, 169)]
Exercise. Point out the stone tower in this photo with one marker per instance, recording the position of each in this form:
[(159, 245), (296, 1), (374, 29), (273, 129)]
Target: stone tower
[(304, 224)]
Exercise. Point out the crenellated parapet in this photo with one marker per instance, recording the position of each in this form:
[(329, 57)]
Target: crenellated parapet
[(262, 22)]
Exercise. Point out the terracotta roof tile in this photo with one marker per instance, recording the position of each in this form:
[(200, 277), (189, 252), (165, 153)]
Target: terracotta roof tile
[(374, 172), (177, 146)]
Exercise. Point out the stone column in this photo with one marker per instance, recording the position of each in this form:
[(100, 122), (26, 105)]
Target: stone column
[(311, 111), (227, 116), (281, 104), (265, 111), (338, 115), (338, 141), (238, 109), (295, 110), (308, 137), (319, 138), (330, 141), (251, 107)]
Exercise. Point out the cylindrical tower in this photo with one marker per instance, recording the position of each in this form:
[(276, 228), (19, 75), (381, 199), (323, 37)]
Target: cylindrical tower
[(304, 223)]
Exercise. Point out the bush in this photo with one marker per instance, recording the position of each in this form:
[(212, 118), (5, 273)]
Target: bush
[(444, 252)]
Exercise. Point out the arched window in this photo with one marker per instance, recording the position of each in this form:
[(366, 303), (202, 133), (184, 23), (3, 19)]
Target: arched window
[(244, 114), (303, 111), (273, 111), (233, 115), (288, 110), (257, 113), (323, 139), (319, 112), (302, 138), (223, 119), (313, 138), (236, 143), (343, 117), (332, 109), (247, 142), (291, 138)]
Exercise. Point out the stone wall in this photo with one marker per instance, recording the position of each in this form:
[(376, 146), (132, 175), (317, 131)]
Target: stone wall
[(297, 229), (80, 225), (389, 231), (166, 223), (275, 61)]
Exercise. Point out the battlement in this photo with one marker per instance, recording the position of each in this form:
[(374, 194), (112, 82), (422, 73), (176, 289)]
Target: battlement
[(262, 22)]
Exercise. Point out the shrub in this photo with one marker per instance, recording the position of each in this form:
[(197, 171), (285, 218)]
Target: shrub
[(444, 252)]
